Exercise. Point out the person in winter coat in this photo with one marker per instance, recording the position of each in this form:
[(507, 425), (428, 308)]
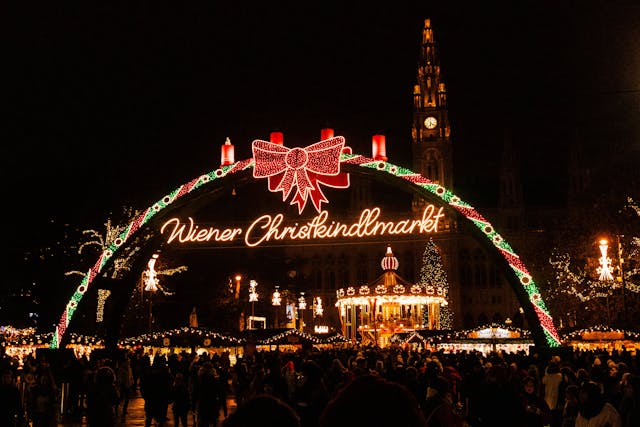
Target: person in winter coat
[(155, 387), (208, 395), (125, 383), (536, 410), (43, 399), (438, 408), (594, 410), (180, 400), (553, 389), (102, 399), (11, 410)]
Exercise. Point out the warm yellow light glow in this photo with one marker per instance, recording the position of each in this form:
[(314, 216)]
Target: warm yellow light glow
[(275, 299), (605, 263), (383, 299), (253, 295), (149, 276)]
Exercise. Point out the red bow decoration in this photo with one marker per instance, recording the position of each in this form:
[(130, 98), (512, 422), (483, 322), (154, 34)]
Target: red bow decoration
[(304, 168)]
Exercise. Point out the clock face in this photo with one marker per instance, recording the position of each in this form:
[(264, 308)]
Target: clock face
[(430, 122)]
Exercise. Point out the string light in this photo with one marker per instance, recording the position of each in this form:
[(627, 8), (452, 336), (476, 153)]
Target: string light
[(103, 294)]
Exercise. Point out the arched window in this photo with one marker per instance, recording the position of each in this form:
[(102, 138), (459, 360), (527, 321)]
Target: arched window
[(482, 319), (465, 269), (467, 321), (361, 276), (433, 166), (332, 279), (480, 269), (344, 278)]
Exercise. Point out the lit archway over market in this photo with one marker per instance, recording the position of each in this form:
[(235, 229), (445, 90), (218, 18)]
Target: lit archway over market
[(299, 174)]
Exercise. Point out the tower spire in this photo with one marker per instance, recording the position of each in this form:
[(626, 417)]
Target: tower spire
[(431, 133), (511, 200)]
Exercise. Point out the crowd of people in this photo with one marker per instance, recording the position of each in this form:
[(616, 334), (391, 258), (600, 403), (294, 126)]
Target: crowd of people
[(331, 388)]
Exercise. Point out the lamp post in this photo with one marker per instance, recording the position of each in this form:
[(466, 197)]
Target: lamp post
[(604, 270), (236, 294), (253, 297), (302, 305), (235, 291), (275, 302), (622, 281), (150, 281)]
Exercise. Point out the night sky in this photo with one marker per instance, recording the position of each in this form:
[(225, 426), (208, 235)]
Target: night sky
[(117, 104)]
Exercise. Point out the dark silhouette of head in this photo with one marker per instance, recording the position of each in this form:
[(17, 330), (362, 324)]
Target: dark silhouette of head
[(372, 401), (591, 399), (263, 410)]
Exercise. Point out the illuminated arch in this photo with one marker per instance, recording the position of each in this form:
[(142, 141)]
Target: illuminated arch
[(542, 327)]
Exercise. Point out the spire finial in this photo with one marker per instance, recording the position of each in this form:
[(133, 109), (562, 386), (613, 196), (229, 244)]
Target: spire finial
[(389, 262)]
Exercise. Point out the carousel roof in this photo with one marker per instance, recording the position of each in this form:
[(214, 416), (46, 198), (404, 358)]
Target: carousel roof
[(391, 287)]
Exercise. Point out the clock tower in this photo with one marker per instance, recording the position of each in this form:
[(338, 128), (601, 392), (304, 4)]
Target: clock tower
[(430, 133)]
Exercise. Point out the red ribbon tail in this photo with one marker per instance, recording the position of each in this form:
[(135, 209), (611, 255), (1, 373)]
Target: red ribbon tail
[(300, 200), (317, 197)]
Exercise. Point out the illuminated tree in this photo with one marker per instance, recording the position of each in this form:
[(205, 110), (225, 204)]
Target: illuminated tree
[(577, 296), (432, 273)]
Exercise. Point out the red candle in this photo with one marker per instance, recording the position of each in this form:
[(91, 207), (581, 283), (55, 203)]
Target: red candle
[(326, 133), (379, 147), (226, 153), (276, 138)]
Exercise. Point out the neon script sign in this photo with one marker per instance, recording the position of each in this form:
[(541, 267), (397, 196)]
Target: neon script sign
[(271, 228)]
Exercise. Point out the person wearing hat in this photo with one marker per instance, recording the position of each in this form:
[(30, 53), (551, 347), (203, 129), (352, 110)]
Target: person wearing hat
[(438, 408)]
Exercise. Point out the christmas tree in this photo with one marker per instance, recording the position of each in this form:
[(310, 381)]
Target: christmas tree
[(432, 273)]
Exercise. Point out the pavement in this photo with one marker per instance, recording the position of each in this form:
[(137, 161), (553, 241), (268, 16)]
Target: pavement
[(135, 415)]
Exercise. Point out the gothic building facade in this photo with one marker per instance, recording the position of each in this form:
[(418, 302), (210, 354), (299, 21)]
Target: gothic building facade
[(478, 291)]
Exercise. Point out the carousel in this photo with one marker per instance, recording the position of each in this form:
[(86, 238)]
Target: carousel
[(374, 312)]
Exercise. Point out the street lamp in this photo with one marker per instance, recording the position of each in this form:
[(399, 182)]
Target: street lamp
[(622, 281), (253, 297), (605, 263), (302, 305), (236, 294), (150, 282), (275, 302), (317, 306), (604, 270)]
